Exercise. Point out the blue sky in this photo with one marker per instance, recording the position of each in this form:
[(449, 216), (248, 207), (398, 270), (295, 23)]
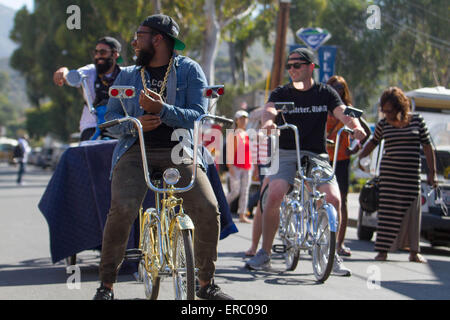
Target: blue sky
[(17, 4)]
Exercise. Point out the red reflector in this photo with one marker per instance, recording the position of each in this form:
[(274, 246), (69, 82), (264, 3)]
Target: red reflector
[(424, 200), (114, 92), (209, 92), (220, 91), (129, 92)]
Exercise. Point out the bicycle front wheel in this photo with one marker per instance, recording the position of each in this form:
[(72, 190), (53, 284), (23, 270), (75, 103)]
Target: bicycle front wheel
[(148, 265), (324, 246), (183, 265), (263, 198), (289, 240)]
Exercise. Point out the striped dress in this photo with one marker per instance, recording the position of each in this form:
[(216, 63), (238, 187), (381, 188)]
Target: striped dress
[(399, 205)]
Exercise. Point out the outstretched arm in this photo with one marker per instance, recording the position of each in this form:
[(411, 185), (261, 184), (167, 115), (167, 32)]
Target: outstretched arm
[(352, 123)]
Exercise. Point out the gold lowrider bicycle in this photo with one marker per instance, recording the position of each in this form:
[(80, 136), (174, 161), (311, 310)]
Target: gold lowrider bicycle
[(166, 232)]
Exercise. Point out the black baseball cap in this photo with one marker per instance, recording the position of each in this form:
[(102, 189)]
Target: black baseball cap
[(166, 25), (305, 55), (113, 43)]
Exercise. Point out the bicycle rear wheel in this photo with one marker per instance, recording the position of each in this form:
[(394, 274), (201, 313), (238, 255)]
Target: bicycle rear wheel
[(324, 246), (148, 267), (292, 254), (183, 265)]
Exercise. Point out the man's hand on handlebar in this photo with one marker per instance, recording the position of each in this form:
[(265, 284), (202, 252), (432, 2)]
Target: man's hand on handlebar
[(270, 126), (358, 132), (149, 122), (150, 101), (268, 118)]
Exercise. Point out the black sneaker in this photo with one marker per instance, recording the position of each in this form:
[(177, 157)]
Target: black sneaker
[(104, 293), (212, 292)]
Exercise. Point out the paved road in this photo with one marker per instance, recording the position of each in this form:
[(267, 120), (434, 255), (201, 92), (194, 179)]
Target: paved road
[(26, 271)]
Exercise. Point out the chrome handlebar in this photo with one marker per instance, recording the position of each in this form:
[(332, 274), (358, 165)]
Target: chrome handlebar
[(74, 79), (297, 148), (138, 125)]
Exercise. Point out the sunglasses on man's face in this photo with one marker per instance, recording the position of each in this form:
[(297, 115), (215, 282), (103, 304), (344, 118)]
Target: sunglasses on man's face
[(296, 65), (139, 34), (102, 52)]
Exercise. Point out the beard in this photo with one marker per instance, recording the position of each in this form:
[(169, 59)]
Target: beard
[(102, 68), (145, 56)]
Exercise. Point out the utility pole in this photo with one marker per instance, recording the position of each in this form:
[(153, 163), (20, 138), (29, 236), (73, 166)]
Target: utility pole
[(280, 44), (157, 6)]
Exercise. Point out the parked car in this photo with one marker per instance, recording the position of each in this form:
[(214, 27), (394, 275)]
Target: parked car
[(6, 149), (434, 105)]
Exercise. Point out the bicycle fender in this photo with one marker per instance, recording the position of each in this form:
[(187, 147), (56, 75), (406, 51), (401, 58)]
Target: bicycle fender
[(332, 217), (185, 222)]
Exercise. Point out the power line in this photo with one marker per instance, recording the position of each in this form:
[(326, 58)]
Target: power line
[(409, 2), (434, 41)]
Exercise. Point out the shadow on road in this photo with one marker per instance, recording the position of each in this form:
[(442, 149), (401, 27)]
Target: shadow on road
[(41, 272), (27, 186), (419, 289), (277, 275)]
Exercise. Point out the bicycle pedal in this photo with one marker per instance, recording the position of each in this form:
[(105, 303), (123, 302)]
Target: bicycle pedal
[(133, 254), (279, 248)]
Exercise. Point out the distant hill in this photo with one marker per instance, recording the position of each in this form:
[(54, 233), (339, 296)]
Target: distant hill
[(16, 86), (6, 24)]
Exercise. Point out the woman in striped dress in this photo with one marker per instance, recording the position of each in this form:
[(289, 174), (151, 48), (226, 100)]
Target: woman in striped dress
[(399, 212)]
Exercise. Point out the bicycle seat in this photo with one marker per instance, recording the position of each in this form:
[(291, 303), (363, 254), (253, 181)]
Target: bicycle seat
[(323, 156), (307, 164)]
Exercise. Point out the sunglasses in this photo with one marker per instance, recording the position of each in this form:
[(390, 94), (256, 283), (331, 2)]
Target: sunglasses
[(296, 65), (137, 33), (101, 52)]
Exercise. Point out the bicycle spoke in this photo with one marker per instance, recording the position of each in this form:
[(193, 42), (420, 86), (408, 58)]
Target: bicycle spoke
[(183, 269), (323, 249), (323, 233)]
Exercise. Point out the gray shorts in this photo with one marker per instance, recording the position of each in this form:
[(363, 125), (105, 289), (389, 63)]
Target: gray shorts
[(288, 166)]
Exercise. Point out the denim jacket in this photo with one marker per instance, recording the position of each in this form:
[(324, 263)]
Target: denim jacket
[(184, 103)]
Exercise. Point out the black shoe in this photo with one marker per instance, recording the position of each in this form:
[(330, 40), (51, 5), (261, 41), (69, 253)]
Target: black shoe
[(104, 293), (212, 292)]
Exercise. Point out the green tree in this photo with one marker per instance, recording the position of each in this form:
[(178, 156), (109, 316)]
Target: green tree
[(45, 44), (8, 113), (418, 43), (241, 34), (360, 51)]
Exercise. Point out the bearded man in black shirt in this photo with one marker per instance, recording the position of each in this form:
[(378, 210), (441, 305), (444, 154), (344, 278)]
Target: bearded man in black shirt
[(312, 103)]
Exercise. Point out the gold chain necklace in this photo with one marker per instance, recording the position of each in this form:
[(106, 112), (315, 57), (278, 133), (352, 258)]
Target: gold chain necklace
[(166, 78)]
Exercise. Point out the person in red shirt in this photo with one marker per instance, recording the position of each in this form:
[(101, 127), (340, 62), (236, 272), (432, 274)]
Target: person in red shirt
[(239, 164)]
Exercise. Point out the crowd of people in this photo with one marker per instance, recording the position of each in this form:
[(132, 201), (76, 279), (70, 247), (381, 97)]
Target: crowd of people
[(169, 96)]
